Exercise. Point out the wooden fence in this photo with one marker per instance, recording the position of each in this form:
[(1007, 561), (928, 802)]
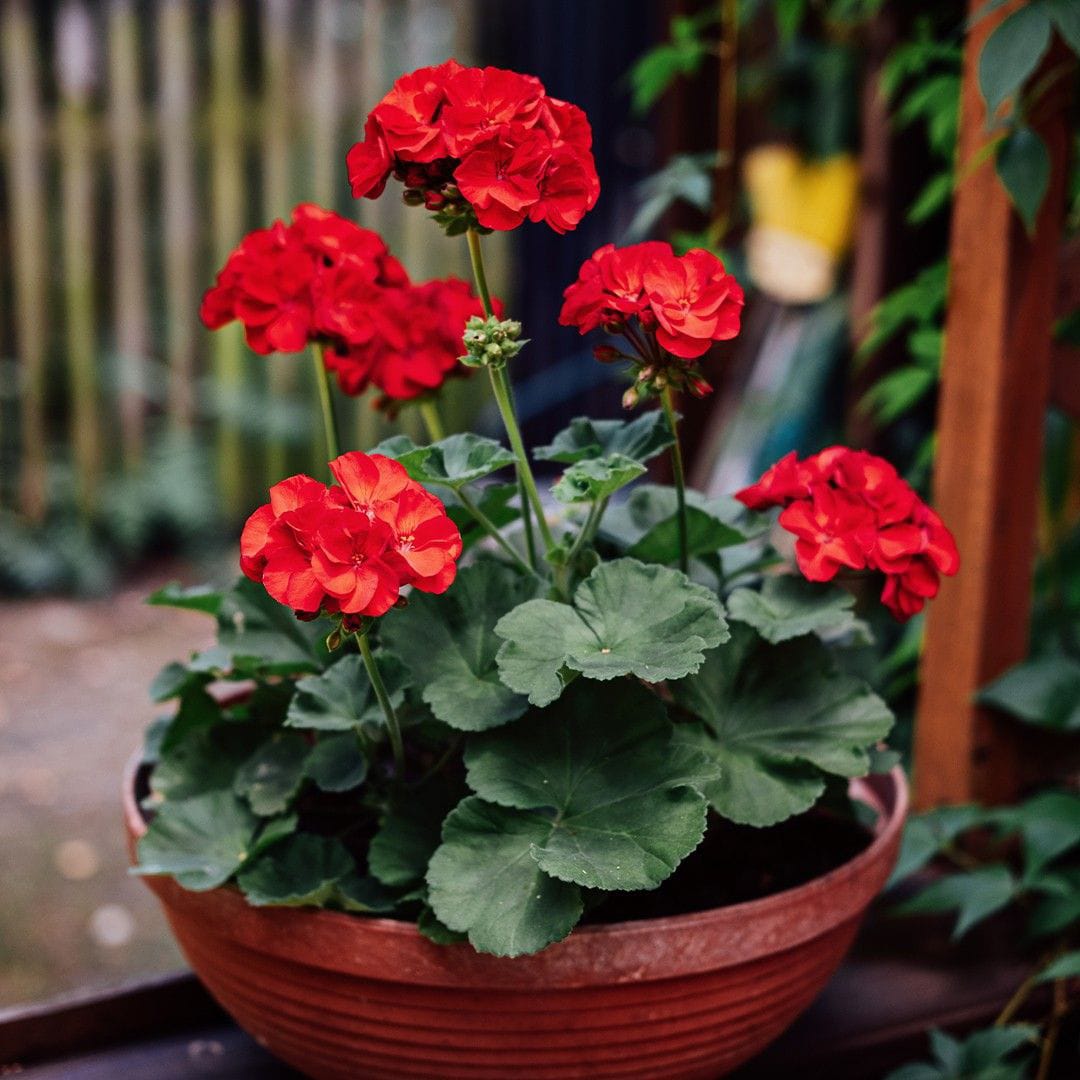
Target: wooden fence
[(140, 141)]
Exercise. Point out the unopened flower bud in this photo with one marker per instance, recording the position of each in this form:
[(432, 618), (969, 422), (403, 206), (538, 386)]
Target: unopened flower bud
[(491, 342), (412, 197), (615, 325), (631, 398), (433, 200), (606, 354), (698, 386), (647, 318)]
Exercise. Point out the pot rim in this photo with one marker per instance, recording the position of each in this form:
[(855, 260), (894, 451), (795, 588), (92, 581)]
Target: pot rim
[(737, 932)]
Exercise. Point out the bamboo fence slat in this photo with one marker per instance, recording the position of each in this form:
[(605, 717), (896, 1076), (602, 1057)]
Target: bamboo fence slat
[(180, 223), (26, 171), (129, 214), (75, 76), (228, 225), (277, 190)]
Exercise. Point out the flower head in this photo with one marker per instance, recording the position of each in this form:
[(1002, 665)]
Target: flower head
[(350, 548), (287, 283), (669, 308), (848, 508), (480, 146)]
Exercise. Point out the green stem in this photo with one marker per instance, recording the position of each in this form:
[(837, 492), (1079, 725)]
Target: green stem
[(500, 385), (679, 473), (476, 257), (492, 530), (322, 380), (526, 524), (588, 529), (429, 410), (392, 725)]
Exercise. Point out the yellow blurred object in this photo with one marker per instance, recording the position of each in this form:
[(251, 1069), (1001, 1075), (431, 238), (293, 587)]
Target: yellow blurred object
[(803, 217)]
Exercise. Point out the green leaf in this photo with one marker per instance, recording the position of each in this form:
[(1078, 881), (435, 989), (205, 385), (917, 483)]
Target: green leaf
[(1059, 907), (260, 636), (448, 644), (196, 598), (409, 832), (1064, 967), (172, 680), (1066, 17), (927, 834), (342, 698), (1049, 824), (646, 526), (1011, 54), (484, 881), (1023, 167), (429, 924), (788, 606), (1044, 691), (974, 895), (600, 761), (898, 392), (982, 1056), (271, 777), (196, 710), (204, 759), (336, 763), (299, 870), (596, 478), (201, 841), (363, 894), (452, 462), (934, 196), (641, 439), (776, 716), (627, 618)]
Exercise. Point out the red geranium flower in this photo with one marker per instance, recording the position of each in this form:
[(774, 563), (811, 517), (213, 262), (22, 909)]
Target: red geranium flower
[(286, 282), (410, 344), (350, 548), (483, 143), (850, 508), (682, 304)]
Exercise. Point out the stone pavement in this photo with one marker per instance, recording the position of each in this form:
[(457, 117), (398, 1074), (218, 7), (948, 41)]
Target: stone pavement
[(73, 703)]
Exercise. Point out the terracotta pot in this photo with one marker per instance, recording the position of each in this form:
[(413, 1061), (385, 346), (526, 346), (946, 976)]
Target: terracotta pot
[(693, 996)]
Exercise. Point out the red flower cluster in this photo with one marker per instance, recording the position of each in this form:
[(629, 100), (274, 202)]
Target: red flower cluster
[(683, 303), (850, 508), (350, 548), (322, 278), (285, 283), (480, 140), (413, 344)]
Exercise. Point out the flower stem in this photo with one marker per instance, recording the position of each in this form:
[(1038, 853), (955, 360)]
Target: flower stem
[(429, 410), (392, 725), (500, 385), (476, 257), (679, 473), (322, 380), (492, 530)]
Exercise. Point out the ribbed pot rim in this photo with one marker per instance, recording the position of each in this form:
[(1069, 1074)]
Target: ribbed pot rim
[(596, 954)]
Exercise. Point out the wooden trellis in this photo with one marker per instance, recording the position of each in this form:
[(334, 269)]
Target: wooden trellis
[(995, 386)]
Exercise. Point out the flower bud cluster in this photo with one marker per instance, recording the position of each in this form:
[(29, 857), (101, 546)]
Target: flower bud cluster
[(491, 342)]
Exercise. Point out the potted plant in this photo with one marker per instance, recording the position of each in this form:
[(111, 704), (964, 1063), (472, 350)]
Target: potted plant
[(469, 788)]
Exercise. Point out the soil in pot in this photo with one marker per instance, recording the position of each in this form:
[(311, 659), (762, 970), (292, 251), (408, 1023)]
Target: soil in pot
[(737, 863)]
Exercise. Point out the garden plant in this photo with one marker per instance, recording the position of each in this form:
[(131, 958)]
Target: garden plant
[(440, 696)]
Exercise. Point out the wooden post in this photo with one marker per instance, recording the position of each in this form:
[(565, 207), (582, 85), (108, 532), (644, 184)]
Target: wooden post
[(75, 76), (29, 237), (180, 219), (994, 387)]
